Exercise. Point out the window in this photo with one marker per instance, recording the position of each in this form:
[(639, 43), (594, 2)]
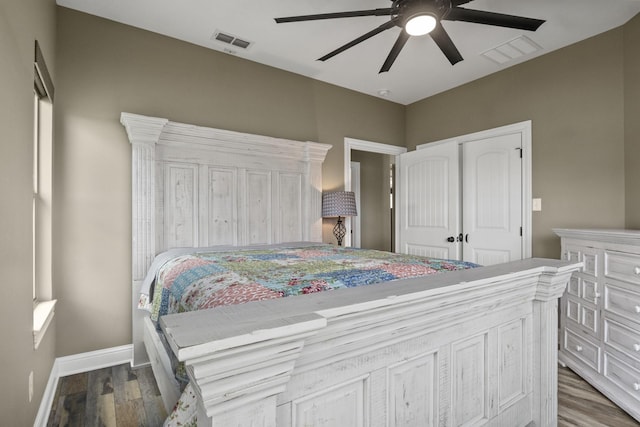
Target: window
[(43, 302)]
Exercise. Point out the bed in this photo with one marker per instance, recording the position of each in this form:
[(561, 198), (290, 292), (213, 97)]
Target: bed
[(467, 347)]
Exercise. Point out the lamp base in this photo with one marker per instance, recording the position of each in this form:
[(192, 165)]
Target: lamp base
[(339, 231)]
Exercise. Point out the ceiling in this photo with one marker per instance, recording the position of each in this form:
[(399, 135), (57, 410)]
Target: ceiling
[(421, 70)]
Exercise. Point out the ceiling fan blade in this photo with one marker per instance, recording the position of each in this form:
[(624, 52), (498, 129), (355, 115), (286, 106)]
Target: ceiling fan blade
[(351, 14), (444, 42), (395, 51), (381, 28), (492, 18)]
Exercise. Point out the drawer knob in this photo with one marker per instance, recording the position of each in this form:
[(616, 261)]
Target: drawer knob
[(578, 348), (636, 270), (636, 386), (636, 347), (637, 308)]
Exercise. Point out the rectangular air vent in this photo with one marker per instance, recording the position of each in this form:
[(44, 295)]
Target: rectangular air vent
[(511, 50), (231, 39)]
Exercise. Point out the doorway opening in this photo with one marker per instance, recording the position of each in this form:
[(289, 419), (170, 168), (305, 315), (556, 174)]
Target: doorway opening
[(383, 157)]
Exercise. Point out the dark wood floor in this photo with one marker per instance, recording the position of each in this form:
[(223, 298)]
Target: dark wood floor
[(123, 397), (111, 397)]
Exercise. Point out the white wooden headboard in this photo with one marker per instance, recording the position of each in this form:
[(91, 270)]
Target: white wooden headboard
[(194, 186)]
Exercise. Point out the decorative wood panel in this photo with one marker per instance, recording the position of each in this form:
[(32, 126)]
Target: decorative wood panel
[(180, 192), (574, 288), (573, 310), (512, 369), (413, 392), (341, 406), (469, 381), (257, 210), (220, 215), (289, 209)]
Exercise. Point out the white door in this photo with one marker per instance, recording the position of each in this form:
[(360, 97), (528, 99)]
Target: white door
[(428, 202), (492, 199), (463, 198)]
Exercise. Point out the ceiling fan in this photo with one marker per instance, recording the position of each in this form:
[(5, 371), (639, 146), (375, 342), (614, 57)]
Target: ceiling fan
[(420, 17)]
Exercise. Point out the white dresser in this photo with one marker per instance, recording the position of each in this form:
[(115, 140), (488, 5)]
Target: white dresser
[(600, 313)]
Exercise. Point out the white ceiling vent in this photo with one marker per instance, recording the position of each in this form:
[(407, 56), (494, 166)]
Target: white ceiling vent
[(514, 49), (230, 39)]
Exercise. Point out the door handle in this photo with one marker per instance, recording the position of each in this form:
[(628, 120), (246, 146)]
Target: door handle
[(466, 238), (451, 239), (460, 237)]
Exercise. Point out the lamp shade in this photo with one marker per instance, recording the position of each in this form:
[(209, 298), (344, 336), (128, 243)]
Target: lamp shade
[(339, 203)]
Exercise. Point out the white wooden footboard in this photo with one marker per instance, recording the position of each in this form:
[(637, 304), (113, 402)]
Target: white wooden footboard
[(473, 347)]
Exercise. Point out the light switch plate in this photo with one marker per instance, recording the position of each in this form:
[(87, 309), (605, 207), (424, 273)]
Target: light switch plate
[(536, 206)]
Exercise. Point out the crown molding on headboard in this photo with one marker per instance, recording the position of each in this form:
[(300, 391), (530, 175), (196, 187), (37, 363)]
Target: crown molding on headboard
[(200, 186), (142, 128)]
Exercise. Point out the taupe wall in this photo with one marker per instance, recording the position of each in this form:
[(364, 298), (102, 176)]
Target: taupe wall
[(575, 99), (632, 121), (21, 22), (106, 68)]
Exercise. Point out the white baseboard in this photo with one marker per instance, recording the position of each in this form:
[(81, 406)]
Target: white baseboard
[(75, 364)]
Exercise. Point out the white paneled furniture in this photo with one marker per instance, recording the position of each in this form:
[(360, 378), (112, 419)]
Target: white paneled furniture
[(473, 347), (600, 313)]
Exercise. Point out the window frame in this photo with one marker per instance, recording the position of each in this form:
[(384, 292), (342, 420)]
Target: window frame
[(42, 224)]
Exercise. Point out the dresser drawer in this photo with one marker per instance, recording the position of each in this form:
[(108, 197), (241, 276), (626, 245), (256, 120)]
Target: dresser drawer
[(622, 374), (622, 338), (622, 266), (622, 302), (581, 349)]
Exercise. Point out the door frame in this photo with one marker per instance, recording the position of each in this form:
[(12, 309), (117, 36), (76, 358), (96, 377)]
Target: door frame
[(355, 187), (524, 129), (362, 145)]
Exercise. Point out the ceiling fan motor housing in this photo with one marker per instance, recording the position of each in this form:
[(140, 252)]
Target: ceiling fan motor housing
[(407, 9)]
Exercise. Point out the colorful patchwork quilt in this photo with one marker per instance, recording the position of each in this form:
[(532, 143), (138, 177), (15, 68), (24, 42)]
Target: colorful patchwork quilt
[(203, 280)]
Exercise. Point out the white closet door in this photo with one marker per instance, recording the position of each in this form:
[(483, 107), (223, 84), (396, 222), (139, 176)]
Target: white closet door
[(428, 183), (492, 199)]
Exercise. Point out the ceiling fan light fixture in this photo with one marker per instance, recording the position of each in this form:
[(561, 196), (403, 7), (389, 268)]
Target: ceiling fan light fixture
[(420, 24)]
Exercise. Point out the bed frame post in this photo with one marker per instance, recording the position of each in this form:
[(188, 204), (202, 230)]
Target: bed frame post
[(545, 347), (238, 383), (144, 133)]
